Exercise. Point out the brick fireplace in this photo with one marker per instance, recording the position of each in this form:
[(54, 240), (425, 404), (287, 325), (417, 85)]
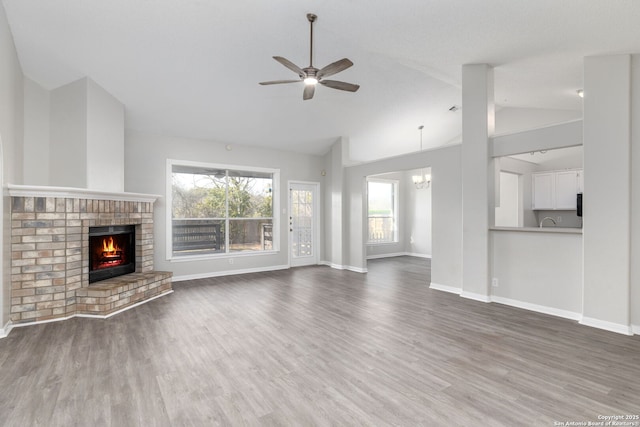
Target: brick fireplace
[(50, 253)]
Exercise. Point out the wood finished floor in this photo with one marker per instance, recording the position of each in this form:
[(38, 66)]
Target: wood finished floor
[(316, 346)]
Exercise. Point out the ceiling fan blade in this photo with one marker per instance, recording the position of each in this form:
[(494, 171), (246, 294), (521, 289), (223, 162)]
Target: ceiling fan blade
[(334, 84), (290, 65), (335, 68), (278, 82), (309, 90)]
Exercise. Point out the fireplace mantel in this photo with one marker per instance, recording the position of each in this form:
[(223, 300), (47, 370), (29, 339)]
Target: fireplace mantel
[(78, 193)]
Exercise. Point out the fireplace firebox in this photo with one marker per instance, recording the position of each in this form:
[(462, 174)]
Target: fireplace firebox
[(112, 251)]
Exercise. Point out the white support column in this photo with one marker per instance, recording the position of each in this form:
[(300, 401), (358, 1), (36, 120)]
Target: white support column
[(607, 192), (334, 213), (478, 114)]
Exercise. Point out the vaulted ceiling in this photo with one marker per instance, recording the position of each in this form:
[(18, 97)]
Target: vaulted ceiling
[(191, 67)]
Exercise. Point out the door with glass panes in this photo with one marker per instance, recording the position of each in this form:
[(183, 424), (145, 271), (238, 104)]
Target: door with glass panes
[(303, 227)]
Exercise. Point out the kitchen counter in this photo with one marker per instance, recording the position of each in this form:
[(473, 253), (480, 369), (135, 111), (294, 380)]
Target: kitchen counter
[(540, 230)]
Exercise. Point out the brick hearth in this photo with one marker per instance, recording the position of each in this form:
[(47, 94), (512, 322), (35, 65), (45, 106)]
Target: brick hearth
[(50, 250)]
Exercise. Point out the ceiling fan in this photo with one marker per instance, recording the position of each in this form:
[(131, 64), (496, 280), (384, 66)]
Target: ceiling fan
[(311, 75)]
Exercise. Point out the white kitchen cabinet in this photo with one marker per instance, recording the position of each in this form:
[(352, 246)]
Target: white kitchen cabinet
[(556, 190), (543, 190), (566, 189)]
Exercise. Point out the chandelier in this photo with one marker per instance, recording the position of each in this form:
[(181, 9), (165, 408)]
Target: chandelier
[(422, 180)]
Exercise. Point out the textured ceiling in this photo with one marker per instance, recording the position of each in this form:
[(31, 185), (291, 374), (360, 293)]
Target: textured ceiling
[(191, 67)]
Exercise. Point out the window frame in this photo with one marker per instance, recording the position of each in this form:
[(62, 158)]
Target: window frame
[(275, 219), (396, 214)]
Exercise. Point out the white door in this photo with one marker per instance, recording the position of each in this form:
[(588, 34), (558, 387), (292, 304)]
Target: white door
[(303, 223), (508, 213)]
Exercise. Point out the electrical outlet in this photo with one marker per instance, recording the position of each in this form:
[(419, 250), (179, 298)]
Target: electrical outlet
[(494, 282), (230, 260), (559, 219)]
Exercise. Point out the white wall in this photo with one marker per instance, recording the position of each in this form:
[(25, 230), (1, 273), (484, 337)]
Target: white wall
[(68, 135), (11, 138), (105, 140), (537, 270), (446, 218), (86, 137), (512, 119), (145, 172), (417, 216), (36, 133)]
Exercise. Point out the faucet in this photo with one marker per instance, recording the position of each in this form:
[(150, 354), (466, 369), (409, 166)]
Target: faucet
[(549, 218)]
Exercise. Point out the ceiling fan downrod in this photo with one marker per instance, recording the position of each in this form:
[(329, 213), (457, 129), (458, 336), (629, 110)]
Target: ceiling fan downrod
[(312, 18)]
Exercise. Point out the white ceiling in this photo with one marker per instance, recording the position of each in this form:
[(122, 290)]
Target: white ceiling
[(191, 67)]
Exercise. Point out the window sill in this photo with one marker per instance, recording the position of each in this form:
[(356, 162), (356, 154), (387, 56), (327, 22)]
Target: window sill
[(382, 243)]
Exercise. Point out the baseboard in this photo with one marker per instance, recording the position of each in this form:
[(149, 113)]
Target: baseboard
[(6, 329), (475, 297), (395, 254), (42, 322), (333, 265), (343, 267), (391, 255), (537, 308), (445, 288), (635, 329), (228, 273), (91, 316), (607, 326), (413, 254)]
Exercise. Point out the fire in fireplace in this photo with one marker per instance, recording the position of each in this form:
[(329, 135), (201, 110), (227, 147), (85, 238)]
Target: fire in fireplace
[(112, 252)]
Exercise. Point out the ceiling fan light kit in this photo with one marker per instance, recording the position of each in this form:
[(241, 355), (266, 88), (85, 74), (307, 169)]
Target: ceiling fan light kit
[(311, 76)]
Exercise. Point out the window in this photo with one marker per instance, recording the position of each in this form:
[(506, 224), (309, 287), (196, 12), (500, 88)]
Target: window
[(382, 202), (220, 210)]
